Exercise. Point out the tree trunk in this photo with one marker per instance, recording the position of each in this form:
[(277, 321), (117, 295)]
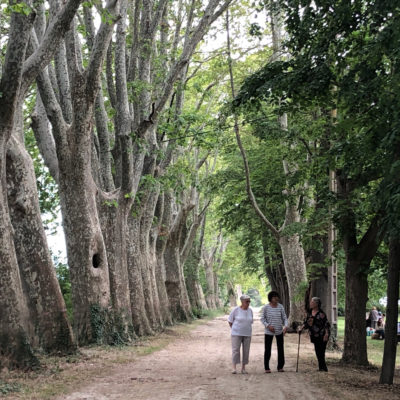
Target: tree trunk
[(218, 302), (231, 294), (87, 257), (148, 256), (195, 291), (174, 279), (45, 301), (196, 294), (319, 273), (86, 251), (163, 217), (291, 247), (114, 224), (358, 259), (210, 290), (392, 309), (16, 330), (355, 347), (175, 282), (277, 280), (139, 316), (293, 258)]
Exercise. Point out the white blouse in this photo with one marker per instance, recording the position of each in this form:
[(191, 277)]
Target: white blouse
[(241, 321)]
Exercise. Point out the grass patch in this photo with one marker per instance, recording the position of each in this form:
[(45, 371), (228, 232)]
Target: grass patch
[(374, 347), (9, 387)]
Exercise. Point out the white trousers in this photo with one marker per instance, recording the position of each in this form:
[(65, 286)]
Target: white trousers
[(237, 342)]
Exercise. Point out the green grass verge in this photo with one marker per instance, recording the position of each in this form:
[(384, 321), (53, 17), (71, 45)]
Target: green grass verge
[(374, 347)]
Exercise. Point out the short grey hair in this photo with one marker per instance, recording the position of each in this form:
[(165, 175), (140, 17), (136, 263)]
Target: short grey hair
[(244, 297), (317, 300)]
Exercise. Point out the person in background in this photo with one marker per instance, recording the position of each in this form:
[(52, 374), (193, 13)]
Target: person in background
[(240, 321), (275, 322), (318, 328), (368, 320), (380, 329), (374, 317)]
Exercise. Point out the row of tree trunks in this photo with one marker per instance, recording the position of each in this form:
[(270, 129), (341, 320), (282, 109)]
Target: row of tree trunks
[(111, 274)]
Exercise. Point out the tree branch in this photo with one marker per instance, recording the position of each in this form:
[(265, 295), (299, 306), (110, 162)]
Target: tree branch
[(56, 30), (11, 78), (250, 193), (99, 51)]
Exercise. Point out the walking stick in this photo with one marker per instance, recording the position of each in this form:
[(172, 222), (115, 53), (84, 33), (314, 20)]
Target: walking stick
[(298, 353)]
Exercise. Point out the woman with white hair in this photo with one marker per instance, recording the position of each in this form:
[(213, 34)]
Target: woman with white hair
[(240, 320), (318, 329)]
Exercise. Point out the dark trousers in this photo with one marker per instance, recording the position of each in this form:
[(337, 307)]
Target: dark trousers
[(267, 350), (320, 347), (381, 333)]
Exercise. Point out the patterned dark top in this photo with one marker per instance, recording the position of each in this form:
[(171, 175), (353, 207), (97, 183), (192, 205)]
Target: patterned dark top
[(317, 325)]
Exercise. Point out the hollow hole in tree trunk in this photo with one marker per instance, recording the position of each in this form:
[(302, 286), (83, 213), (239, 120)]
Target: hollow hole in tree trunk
[(96, 260)]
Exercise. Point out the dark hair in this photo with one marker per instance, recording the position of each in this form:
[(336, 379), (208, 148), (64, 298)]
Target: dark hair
[(272, 294)]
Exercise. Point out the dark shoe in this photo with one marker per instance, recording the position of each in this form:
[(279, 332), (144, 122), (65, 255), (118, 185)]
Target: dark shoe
[(267, 371), (281, 370)]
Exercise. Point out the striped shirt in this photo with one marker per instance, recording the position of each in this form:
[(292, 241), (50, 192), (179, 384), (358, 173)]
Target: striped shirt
[(274, 316)]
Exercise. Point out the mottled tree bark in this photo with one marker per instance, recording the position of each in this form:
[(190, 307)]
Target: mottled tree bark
[(163, 215), (16, 329), (86, 251), (175, 282), (210, 290), (39, 281), (140, 318), (275, 271)]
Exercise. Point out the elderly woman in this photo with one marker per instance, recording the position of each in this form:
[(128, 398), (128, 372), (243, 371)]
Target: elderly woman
[(275, 322), (319, 330), (240, 320)]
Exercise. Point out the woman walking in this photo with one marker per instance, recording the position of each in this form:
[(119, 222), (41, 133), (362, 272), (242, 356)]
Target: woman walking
[(319, 330), (275, 321), (240, 321)]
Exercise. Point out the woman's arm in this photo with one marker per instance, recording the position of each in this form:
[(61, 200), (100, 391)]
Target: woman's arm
[(326, 326), (264, 317), (231, 317), (285, 322)]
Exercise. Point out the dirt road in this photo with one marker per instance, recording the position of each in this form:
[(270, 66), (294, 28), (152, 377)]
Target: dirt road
[(198, 366)]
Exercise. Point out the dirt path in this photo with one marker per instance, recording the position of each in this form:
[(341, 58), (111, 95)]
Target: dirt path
[(198, 366)]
